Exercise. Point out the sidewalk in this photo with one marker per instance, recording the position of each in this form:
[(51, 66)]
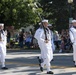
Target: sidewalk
[(22, 50), (29, 50)]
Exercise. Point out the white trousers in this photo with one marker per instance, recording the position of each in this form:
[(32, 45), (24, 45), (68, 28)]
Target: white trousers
[(42, 51), (2, 54), (47, 63), (74, 53), (46, 54), (47, 59)]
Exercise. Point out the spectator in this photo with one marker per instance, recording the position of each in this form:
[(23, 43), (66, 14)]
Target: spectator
[(56, 39), (28, 40), (62, 45), (8, 38), (21, 39)]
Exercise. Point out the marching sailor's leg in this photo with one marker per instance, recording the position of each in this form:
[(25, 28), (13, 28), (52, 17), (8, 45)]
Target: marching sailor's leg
[(3, 61), (74, 54)]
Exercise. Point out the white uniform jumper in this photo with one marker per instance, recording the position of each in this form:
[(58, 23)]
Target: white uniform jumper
[(46, 48), (72, 32)]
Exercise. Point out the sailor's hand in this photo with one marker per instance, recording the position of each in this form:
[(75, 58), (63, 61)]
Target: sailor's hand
[(46, 41)]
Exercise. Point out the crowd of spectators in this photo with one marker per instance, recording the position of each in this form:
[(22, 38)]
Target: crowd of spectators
[(21, 39), (62, 41), (26, 40)]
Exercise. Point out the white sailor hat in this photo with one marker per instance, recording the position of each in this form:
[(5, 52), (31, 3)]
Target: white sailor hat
[(49, 24), (45, 20), (1, 24), (73, 21)]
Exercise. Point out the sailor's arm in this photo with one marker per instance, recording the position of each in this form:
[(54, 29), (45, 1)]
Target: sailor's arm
[(71, 36), (38, 35)]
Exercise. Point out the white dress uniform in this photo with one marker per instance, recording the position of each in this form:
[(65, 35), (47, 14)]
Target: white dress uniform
[(46, 49), (52, 38), (72, 32), (52, 41), (3, 48)]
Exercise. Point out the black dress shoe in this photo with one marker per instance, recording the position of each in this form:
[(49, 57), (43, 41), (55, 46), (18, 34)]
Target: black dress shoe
[(74, 61), (41, 69), (52, 60), (39, 60), (4, 68), (75, 65), (50, 72)]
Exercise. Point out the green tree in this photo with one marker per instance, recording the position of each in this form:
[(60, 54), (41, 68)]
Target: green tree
[(18, 13), (57, 11)]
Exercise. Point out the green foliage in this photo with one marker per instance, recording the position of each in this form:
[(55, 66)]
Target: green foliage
[(21, 13), (57, 11), (18, 13)]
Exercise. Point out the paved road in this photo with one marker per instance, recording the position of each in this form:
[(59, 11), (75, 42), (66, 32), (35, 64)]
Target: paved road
[(26, 63)]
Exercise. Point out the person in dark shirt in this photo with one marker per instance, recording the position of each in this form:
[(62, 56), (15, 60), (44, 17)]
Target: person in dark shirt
[(8, 36), (21, 39)]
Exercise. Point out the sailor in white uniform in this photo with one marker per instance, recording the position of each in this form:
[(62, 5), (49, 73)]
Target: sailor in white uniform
[(43, 37), (72, 32), (52, 37), (2, 46)]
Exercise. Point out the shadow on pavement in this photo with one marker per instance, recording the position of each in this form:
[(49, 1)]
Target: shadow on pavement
[(70, 73)]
